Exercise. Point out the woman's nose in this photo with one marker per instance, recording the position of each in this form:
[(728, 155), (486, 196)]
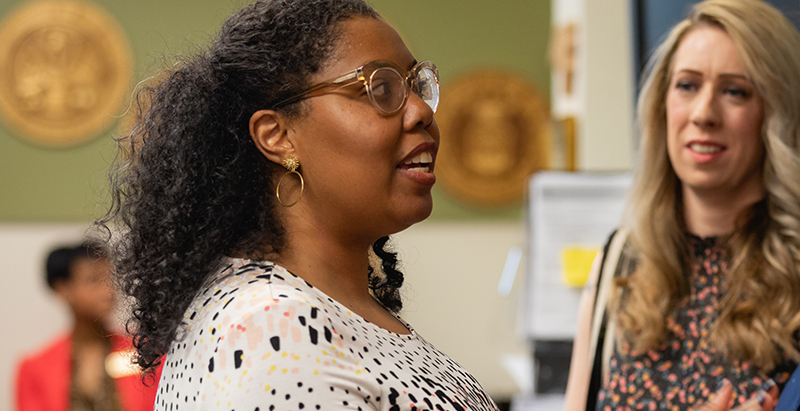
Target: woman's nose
[(417, 113), (705, 111)]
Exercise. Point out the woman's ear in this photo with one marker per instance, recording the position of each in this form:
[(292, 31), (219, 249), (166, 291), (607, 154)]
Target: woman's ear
[(270, 131)]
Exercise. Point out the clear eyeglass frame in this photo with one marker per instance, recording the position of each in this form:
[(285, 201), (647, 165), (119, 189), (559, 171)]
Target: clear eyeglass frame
[(422, 79)]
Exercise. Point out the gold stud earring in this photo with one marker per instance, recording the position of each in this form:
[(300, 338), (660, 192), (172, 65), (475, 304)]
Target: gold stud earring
[(291, 163)]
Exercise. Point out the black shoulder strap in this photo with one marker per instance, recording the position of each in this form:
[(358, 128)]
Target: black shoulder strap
[(597, 368)]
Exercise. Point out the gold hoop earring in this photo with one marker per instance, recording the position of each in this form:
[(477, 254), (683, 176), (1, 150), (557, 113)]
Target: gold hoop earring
[(291, 163)]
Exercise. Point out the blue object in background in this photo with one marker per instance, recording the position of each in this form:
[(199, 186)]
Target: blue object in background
[(652, 20), (790, 397)]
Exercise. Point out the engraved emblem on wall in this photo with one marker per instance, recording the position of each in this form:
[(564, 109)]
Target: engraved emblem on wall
[(495, 133), (65, 67)]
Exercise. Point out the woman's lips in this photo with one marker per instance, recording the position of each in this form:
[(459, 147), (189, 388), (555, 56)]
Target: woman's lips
[(421, 175), (705, 151), (419, 168)]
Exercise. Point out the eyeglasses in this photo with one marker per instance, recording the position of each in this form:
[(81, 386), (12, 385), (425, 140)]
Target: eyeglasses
[(387, 88)]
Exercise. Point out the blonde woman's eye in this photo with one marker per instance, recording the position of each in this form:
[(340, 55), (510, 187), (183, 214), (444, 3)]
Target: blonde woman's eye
[(685, 86), (737, 92)]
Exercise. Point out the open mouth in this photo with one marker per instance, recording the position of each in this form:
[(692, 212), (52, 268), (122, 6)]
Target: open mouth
[(706, 148), (421, 163)]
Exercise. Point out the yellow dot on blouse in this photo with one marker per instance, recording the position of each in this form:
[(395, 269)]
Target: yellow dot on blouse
[(296, 357), (285, 370), (324, 352), (211, 329), (229, 381), (244, 373), (341, 354), (358, 372), (267, 388), (273, 368), (316, 372), (284, 355)]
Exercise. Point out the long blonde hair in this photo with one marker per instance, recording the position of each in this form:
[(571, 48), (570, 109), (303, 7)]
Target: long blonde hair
[(760, 313)]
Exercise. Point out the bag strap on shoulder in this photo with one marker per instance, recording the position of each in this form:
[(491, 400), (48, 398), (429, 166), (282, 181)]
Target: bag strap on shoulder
[(603, 327)]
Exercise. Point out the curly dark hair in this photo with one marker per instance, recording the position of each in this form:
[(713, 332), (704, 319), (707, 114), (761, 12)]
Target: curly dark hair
[(190, 186)]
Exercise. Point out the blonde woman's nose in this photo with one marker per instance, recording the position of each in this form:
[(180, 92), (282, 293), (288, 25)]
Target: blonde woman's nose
[(705, 112)]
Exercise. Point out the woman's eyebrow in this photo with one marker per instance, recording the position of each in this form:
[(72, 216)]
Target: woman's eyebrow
[(726, 75)]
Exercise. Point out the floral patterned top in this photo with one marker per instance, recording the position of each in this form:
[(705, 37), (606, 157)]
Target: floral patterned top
[(686, 369), (261, 338)]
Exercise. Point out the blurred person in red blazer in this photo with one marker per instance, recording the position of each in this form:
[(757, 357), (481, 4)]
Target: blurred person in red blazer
[(89, 368)]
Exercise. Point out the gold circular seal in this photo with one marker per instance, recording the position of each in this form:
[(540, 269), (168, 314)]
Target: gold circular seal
[(64, 69), (495, 131)]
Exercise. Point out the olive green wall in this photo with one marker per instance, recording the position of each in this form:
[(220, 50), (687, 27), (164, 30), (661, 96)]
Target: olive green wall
[(43, 184)]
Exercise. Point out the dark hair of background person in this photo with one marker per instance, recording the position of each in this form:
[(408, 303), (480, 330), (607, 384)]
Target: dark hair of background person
[(190, 185), (59, 262)]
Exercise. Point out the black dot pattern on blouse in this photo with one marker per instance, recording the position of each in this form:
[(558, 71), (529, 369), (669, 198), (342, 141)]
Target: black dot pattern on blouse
[(687, 368), (260, 338)]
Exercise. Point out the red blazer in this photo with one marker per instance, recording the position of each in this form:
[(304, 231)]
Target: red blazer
[(43, 380)]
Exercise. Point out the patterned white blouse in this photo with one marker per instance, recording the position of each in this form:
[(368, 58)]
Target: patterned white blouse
[(259, 338)]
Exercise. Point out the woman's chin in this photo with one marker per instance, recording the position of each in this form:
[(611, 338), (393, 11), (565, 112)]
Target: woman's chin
[(420, 214)]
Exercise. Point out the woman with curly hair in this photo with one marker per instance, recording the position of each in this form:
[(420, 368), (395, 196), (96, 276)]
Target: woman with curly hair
[(254, 203), (706, 291)]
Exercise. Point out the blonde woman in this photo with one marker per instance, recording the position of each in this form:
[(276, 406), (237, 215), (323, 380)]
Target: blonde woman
[(706, 294)]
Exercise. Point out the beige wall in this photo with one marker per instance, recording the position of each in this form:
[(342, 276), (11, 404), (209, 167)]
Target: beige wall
[(606, 142), (602, 96), (452, 274)]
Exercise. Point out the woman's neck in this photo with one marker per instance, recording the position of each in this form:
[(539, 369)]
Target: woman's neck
[(329, 260), (712, 214), (334, 259), (89, 331)]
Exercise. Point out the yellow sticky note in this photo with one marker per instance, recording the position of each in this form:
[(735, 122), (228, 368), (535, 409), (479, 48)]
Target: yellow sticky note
[(576, 264)]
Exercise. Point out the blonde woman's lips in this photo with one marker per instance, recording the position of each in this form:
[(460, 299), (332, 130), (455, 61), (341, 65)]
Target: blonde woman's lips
[(705, 151)]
